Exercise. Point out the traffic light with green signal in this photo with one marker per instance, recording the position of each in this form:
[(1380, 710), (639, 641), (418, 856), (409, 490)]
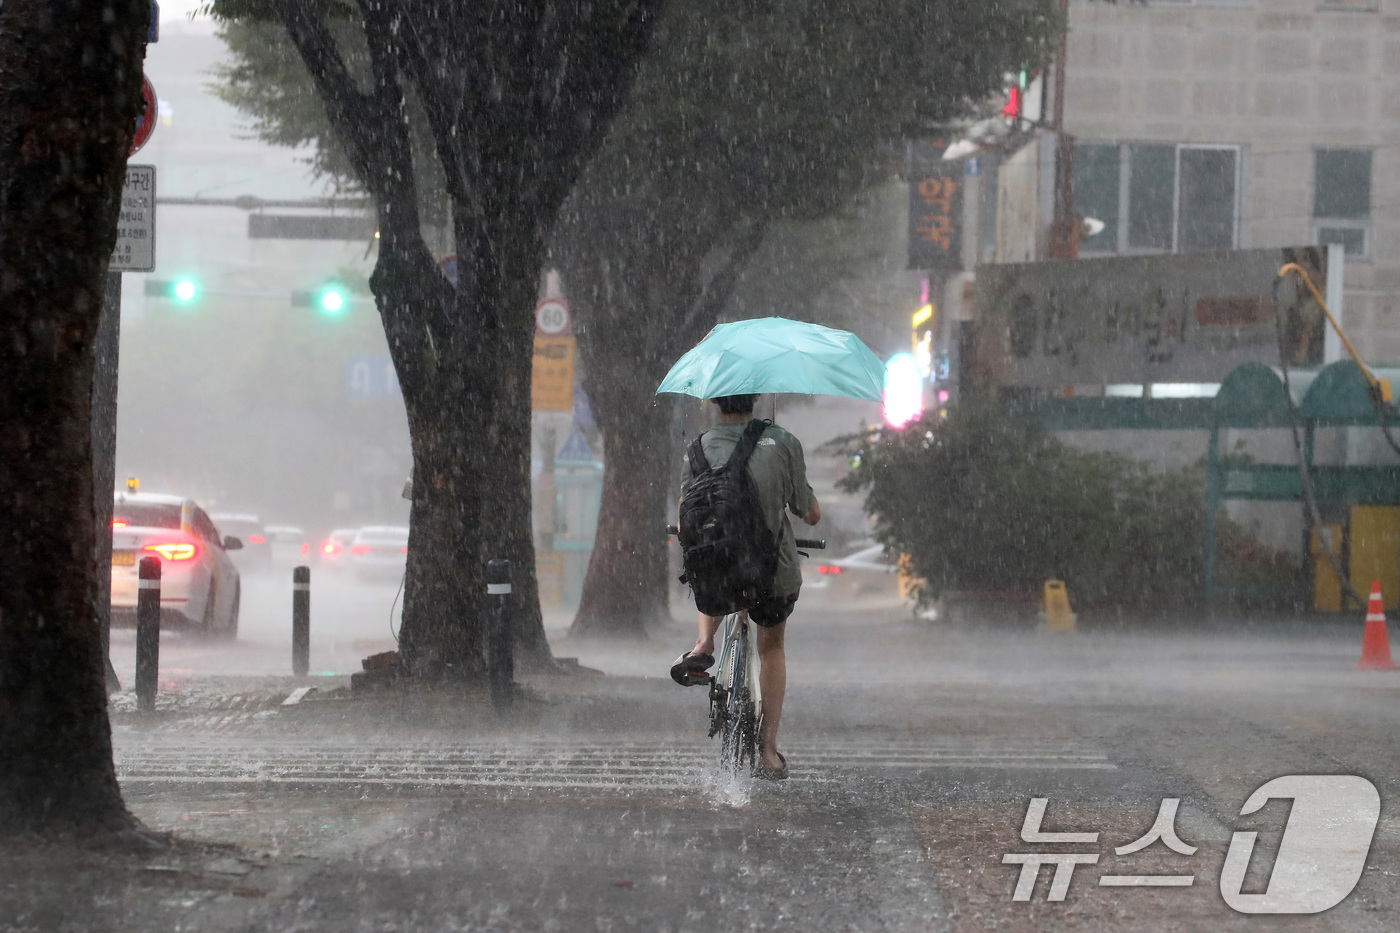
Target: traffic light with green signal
[(330, 299), (184, 290)]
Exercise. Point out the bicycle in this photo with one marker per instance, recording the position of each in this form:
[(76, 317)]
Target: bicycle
[(736, 699)]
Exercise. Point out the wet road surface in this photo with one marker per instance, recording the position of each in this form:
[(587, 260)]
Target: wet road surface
[(915, 753)]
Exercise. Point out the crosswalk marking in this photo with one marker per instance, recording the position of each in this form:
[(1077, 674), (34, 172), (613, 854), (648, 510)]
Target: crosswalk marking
[(622, 765)]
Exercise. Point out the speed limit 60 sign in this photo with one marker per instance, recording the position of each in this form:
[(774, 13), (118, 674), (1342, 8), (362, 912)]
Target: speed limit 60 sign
[(552, 316)]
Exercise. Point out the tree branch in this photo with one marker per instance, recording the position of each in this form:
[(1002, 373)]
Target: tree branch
[(398, 209), (705, 309), (336, 86), (373, 129), (576, 116)]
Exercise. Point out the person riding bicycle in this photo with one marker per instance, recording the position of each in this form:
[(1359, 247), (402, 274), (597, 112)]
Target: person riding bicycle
[(779, 472)]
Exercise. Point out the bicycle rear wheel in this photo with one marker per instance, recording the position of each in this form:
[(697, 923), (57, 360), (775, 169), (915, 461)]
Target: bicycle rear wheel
[(740, 726)]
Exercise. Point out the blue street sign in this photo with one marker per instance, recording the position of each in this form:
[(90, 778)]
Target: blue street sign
[(371, 377), (575, 450), (583, 409), (153, 30)]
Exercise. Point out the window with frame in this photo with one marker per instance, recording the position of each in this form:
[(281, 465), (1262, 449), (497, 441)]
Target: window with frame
[(1342, 199), (204, 526), (1157, 197)]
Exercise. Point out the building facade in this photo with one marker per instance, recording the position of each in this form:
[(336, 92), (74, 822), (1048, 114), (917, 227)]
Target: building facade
[(1239, 124)]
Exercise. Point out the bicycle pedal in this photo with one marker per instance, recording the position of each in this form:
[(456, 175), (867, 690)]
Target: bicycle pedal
[(698, 679)]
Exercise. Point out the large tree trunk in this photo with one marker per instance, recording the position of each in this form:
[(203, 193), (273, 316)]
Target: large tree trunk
[(512, 491), (442, 633), (626, 590), (640, 308), (627, 343), (468, 398), (518, 96), (70, 73)]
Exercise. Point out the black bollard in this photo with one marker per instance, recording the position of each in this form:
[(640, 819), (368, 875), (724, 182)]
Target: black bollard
[(147, 633), (500, 648), (301, 620)]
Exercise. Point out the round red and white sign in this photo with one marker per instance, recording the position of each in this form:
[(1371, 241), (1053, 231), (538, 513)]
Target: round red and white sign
[(148, 117), (448, 265), (552, 316)]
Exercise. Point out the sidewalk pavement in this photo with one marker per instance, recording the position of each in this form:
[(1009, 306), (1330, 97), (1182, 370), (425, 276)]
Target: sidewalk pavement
[(597, 803)]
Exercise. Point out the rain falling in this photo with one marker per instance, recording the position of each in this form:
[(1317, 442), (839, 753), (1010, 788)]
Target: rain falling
[(642, 465)]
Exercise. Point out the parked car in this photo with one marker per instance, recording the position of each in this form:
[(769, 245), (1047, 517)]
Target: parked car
[(199, 586), (334, 552), (255, 555), (288, 545), (379, 551)]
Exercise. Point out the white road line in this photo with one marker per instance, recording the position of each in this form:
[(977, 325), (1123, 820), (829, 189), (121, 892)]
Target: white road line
[(436, 782), (551, 766)]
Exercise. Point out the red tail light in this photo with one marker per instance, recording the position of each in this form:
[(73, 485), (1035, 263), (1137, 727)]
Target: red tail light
[(829, 568), (305, 549), (404, 549), (361, 549), (256, 539), (330, 548), (175, 550), (118, 523)]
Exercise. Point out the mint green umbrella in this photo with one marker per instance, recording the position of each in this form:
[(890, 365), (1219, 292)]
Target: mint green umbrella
[(773, 354)]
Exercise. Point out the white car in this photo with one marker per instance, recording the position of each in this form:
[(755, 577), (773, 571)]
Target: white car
[(288, 545), (199, 586), (334, 552), (379, 551), (255, 556)]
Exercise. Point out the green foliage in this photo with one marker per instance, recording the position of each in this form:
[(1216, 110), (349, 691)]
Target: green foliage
[(844, 270), (746, 117), (981, 501), (267, 81), (784, 109)]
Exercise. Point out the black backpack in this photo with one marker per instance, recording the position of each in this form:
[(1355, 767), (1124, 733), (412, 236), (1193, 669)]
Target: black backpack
[(729, 553)]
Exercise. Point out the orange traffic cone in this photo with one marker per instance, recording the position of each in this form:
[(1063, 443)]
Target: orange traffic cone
[(1375, 644)]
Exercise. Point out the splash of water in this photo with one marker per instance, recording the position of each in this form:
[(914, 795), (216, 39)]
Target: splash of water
[(726, 788)]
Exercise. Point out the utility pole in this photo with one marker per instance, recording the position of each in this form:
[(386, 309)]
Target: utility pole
[(1064, 226), (135, 251), (104, 457)]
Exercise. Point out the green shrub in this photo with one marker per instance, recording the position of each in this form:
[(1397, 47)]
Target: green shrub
[(982, 501)]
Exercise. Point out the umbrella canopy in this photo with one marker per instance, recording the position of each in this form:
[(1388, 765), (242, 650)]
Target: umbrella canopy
[(773, 354)]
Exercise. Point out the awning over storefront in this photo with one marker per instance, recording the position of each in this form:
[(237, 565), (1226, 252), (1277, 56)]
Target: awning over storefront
[(1251, 396)]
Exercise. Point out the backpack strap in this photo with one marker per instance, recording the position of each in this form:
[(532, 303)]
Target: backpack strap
[(699, 463), (745, 448)]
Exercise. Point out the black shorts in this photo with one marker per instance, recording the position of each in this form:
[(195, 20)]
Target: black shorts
[(772, 610)]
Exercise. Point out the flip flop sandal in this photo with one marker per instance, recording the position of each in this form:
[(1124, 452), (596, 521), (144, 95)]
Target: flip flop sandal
[(774, 774), (688, 665)]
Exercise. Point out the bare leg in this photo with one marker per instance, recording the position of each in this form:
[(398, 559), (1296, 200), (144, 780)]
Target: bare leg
[(705, 642), (772, 681)]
